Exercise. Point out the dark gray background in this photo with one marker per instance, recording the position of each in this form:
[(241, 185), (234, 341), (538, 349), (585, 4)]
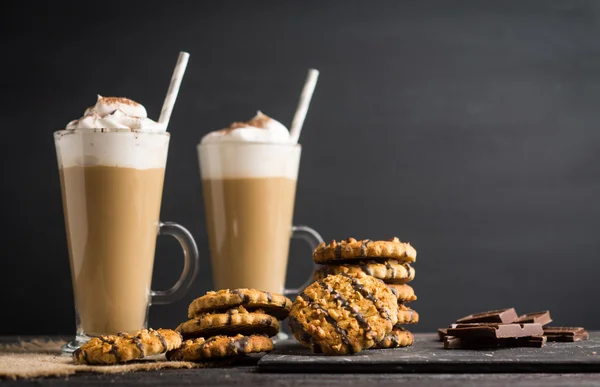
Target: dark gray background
[(469, 128)]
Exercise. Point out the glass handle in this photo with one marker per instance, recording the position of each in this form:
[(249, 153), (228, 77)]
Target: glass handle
[(312, 238), (190, 264)]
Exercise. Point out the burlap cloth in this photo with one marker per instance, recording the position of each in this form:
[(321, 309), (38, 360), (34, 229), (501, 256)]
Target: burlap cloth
[(39, 358)]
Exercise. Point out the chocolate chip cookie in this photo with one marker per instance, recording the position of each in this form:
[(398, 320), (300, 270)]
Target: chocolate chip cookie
[(390, 271), (271, 303), (231, 322), (125, 347), (343, 314), (219, 347), (352, 249)]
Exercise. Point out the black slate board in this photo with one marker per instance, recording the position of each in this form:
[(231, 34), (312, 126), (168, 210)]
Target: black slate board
[(427, 355)]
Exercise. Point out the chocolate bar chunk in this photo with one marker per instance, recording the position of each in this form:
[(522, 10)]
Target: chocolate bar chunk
[(451, 342), (565, 334), (535, 317), (494, 316), (442, 333), (495, 331)]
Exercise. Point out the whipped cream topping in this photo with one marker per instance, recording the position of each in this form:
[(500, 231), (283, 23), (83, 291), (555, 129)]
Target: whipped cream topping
[(261, 129), (116, 113)]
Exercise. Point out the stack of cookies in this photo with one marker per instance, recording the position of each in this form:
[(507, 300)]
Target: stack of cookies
[(388, 261), (230, 322), (222, 324)]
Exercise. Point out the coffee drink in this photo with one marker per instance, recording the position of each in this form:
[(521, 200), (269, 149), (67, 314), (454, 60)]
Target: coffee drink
[(111, 216), (112, 166), (249, 173), (249, 223)]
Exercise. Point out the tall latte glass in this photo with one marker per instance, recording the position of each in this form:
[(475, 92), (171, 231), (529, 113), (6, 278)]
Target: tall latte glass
[(112, 181), (249, 190)]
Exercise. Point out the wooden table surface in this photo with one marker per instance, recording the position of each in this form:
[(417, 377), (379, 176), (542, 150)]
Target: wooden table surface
[(247, 375)]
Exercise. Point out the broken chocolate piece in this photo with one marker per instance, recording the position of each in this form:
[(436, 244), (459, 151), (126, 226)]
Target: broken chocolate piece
[(565, 334), (495, 331), (442, 333), (494, 316), (451, 342), (535, 317)]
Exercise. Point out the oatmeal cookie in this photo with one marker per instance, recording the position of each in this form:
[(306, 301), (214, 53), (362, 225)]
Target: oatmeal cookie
[(390, 271), (220, 346), (271, 303), (343, 314), (397, 338), (351, 250), (231, 322), (404, 293), (125, 347), (407, 315)]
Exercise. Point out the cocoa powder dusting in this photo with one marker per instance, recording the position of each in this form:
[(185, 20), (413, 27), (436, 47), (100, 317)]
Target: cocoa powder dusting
[(116, 100), (260, 121)]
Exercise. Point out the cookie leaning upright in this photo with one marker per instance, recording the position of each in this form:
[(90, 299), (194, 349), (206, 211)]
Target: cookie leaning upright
[(343, 314)]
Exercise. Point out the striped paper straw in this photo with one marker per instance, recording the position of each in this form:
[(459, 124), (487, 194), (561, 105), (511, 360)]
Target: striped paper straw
[(167, 109)]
